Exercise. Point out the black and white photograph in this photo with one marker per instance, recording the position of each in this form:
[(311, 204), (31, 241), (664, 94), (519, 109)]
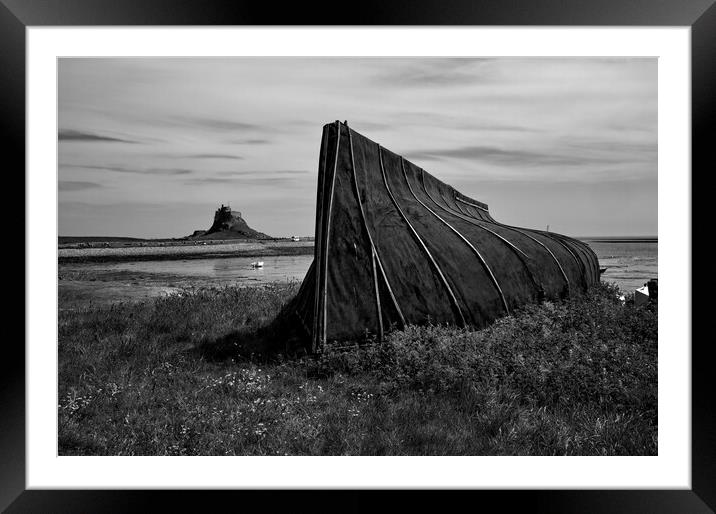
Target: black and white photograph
[(357, 256)]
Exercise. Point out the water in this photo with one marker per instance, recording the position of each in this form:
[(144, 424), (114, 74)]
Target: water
[(629, 265), (223, 271), (105, 283)]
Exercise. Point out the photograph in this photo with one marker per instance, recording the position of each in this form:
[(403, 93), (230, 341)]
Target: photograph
[(374, 256)]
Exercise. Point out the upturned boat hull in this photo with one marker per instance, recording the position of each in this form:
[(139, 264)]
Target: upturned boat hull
[(396, 246)]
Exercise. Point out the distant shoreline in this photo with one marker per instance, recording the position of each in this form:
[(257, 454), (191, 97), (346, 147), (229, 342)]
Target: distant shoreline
[(620, 239), (74, 240), (142, 251), (73, 250), (78, 240)]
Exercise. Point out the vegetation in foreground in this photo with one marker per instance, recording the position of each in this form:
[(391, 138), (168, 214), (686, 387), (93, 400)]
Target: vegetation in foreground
[(166, 378)]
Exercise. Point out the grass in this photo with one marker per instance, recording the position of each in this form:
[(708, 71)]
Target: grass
[(176, 377)]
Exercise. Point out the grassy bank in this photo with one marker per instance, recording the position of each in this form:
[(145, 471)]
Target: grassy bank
[(166, 378)]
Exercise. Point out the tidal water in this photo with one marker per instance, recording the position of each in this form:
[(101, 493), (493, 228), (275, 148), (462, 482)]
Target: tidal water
[(629, 265), (105, 283), (224, 271)]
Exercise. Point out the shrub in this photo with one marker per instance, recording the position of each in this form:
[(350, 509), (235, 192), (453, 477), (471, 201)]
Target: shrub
[(588, 349)]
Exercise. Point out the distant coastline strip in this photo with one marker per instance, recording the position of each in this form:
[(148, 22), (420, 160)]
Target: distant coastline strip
[(619, 239)]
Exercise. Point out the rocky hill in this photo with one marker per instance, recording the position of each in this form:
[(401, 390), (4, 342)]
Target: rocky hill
[(228, 224)]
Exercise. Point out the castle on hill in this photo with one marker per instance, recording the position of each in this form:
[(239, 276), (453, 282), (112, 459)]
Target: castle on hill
[(229, 224)]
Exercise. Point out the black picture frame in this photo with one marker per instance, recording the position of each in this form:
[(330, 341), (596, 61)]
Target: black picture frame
[(700, 15)]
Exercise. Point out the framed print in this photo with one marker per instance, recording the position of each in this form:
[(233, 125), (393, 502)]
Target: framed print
[(463, 297)]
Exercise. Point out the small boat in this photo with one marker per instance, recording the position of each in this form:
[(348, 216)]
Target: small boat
[(602, 270), (257, 264)]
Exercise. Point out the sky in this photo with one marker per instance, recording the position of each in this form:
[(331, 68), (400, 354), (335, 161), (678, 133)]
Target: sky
[(150, 147)]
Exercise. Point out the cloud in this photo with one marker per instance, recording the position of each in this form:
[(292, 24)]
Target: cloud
[(120, 169), (69, 185), (575, 121), (213, 156), (495, 155), (514, 157), (635, 149), (209, 180), (75, 135), (259, 181), (497, 128), (370, 125), (436, 72), (433, 120), (217, 124), (249, 141), (276, 172)]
